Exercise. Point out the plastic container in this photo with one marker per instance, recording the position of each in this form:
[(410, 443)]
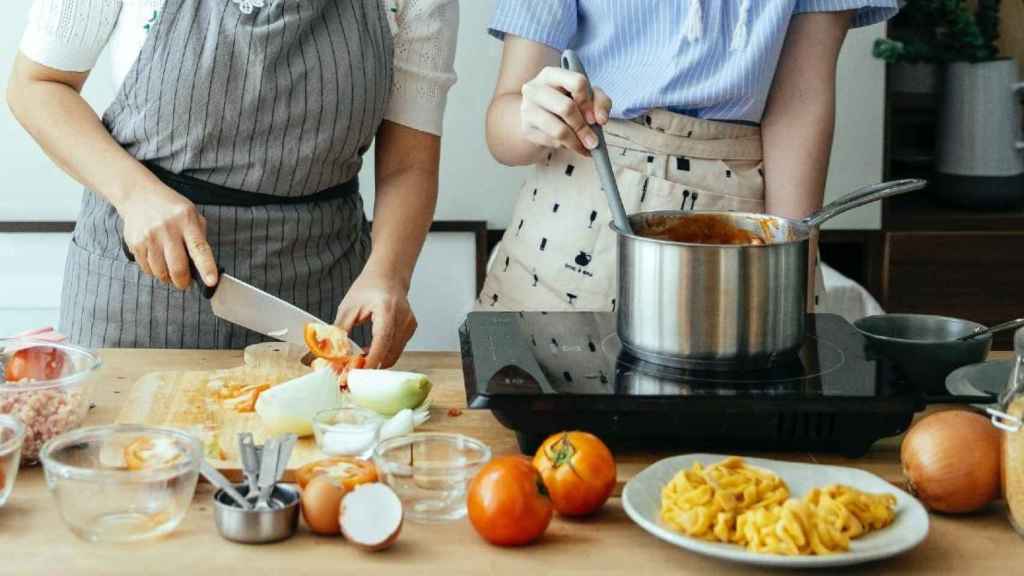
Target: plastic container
[(1010, 419), (430, 472), (106, 493), (12, 434), (52, 404)]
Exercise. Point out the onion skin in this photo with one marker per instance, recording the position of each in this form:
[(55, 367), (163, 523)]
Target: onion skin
[(952, 461)]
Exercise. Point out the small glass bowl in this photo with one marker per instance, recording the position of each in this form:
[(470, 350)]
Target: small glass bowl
[(102, 500), (430, 472), (347, 431), (12, 435), (50, 407)]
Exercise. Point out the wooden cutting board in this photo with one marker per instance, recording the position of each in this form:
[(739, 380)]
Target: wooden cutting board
[(183, 400)]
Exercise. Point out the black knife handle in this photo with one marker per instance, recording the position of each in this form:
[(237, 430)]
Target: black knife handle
[(206, 291)]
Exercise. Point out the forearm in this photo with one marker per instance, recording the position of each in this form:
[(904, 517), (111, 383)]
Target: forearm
[(406, 193), (505, 137), (797, 142), (402, 213), (799, 118), (68, 130)]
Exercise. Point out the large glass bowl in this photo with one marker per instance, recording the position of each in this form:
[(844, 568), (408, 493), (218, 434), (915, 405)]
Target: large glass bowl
[(430, 472), (12, 434), (46, 406), (109, 490)]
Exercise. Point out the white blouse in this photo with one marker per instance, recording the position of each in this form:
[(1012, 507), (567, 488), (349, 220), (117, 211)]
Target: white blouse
[(70, 35)]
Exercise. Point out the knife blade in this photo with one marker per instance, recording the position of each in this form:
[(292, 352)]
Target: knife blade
[(246, 305), (252, 308)]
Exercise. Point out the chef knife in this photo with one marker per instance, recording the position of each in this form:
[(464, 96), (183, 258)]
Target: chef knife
[(248, 306)]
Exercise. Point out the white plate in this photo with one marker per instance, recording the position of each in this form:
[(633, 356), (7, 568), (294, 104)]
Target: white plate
[(642, 500)]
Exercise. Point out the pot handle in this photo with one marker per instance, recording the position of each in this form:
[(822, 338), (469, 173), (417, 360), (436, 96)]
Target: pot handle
[(1018, 88), (862, 196)]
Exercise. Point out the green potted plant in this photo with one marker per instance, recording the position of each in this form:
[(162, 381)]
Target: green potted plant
[(979, 148), (913, 50)]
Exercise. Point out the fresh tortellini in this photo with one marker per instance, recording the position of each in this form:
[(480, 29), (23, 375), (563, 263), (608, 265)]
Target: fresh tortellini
[(735, 503)]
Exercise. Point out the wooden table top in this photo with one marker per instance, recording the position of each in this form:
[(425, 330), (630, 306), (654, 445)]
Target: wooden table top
[(33, 539)]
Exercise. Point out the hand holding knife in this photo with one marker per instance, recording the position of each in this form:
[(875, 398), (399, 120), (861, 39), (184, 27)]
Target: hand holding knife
[(248, 306)]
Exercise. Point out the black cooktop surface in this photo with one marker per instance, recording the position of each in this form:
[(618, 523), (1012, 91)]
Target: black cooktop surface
[(543, 372)]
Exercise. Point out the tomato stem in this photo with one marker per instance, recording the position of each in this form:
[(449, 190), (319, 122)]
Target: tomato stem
[(561, 452)]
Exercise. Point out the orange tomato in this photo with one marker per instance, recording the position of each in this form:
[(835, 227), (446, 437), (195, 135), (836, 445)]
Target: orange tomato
[(349, 471), (507, 502), (326, 341), (146, 453), (578, 471), (35, 363)]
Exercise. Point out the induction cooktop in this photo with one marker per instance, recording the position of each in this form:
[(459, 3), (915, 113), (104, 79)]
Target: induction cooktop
[(542, 372)]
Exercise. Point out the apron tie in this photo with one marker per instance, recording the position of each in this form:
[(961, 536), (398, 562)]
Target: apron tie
[(694, 27), (739, 35)]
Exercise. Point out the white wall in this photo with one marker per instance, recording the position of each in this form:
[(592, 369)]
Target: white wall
[(857, 146), (473, 186)]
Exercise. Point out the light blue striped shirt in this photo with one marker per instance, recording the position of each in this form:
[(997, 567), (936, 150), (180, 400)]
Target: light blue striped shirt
[(708, 58)]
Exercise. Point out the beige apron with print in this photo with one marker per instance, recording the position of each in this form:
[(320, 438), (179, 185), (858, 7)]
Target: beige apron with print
[(558, 252)]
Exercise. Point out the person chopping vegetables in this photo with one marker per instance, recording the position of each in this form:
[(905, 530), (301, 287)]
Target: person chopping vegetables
[(705, 106), (235, 141)]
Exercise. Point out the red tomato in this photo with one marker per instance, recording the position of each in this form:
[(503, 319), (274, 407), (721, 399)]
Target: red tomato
[(578, 471), (507, 502), (37, 363)]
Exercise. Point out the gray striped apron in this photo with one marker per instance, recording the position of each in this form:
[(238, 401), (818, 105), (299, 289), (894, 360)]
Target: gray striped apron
[(275, 107)]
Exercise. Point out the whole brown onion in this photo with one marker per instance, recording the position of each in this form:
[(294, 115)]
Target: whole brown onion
[(952, 461)]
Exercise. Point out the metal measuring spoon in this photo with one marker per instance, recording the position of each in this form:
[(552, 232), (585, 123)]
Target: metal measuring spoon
[(268, 473), (250, 460), (218, 480), (603, 165)]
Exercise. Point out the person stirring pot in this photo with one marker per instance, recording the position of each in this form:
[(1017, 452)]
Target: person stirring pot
[(235, 140), (705, 106)]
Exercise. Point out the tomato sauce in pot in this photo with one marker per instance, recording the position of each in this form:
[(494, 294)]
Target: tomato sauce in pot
[(712, 229)]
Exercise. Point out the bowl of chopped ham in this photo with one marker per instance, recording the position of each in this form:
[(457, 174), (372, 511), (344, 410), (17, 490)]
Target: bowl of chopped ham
[(45, 385)]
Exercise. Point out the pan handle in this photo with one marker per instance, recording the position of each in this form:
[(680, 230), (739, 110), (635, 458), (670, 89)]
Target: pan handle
[(862, 196)]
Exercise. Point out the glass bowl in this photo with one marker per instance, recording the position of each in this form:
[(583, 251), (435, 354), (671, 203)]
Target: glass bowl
[(347, 431), (122, 483), (430, 472), (52, 404), (12, 435)]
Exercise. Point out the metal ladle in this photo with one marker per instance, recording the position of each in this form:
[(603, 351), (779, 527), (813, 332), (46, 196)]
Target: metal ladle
[(603, 165), (1002, 327)]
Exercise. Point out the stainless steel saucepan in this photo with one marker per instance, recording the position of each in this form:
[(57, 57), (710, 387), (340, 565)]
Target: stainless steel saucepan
[(733, 295)]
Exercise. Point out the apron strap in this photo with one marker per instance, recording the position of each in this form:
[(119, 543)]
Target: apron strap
[(205, 193)]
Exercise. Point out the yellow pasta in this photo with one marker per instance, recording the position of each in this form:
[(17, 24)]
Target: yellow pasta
[(734, 503)]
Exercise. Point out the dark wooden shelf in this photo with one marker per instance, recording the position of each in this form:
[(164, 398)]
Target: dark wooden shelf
[(920, 211), (937, 258), (904, 101)]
